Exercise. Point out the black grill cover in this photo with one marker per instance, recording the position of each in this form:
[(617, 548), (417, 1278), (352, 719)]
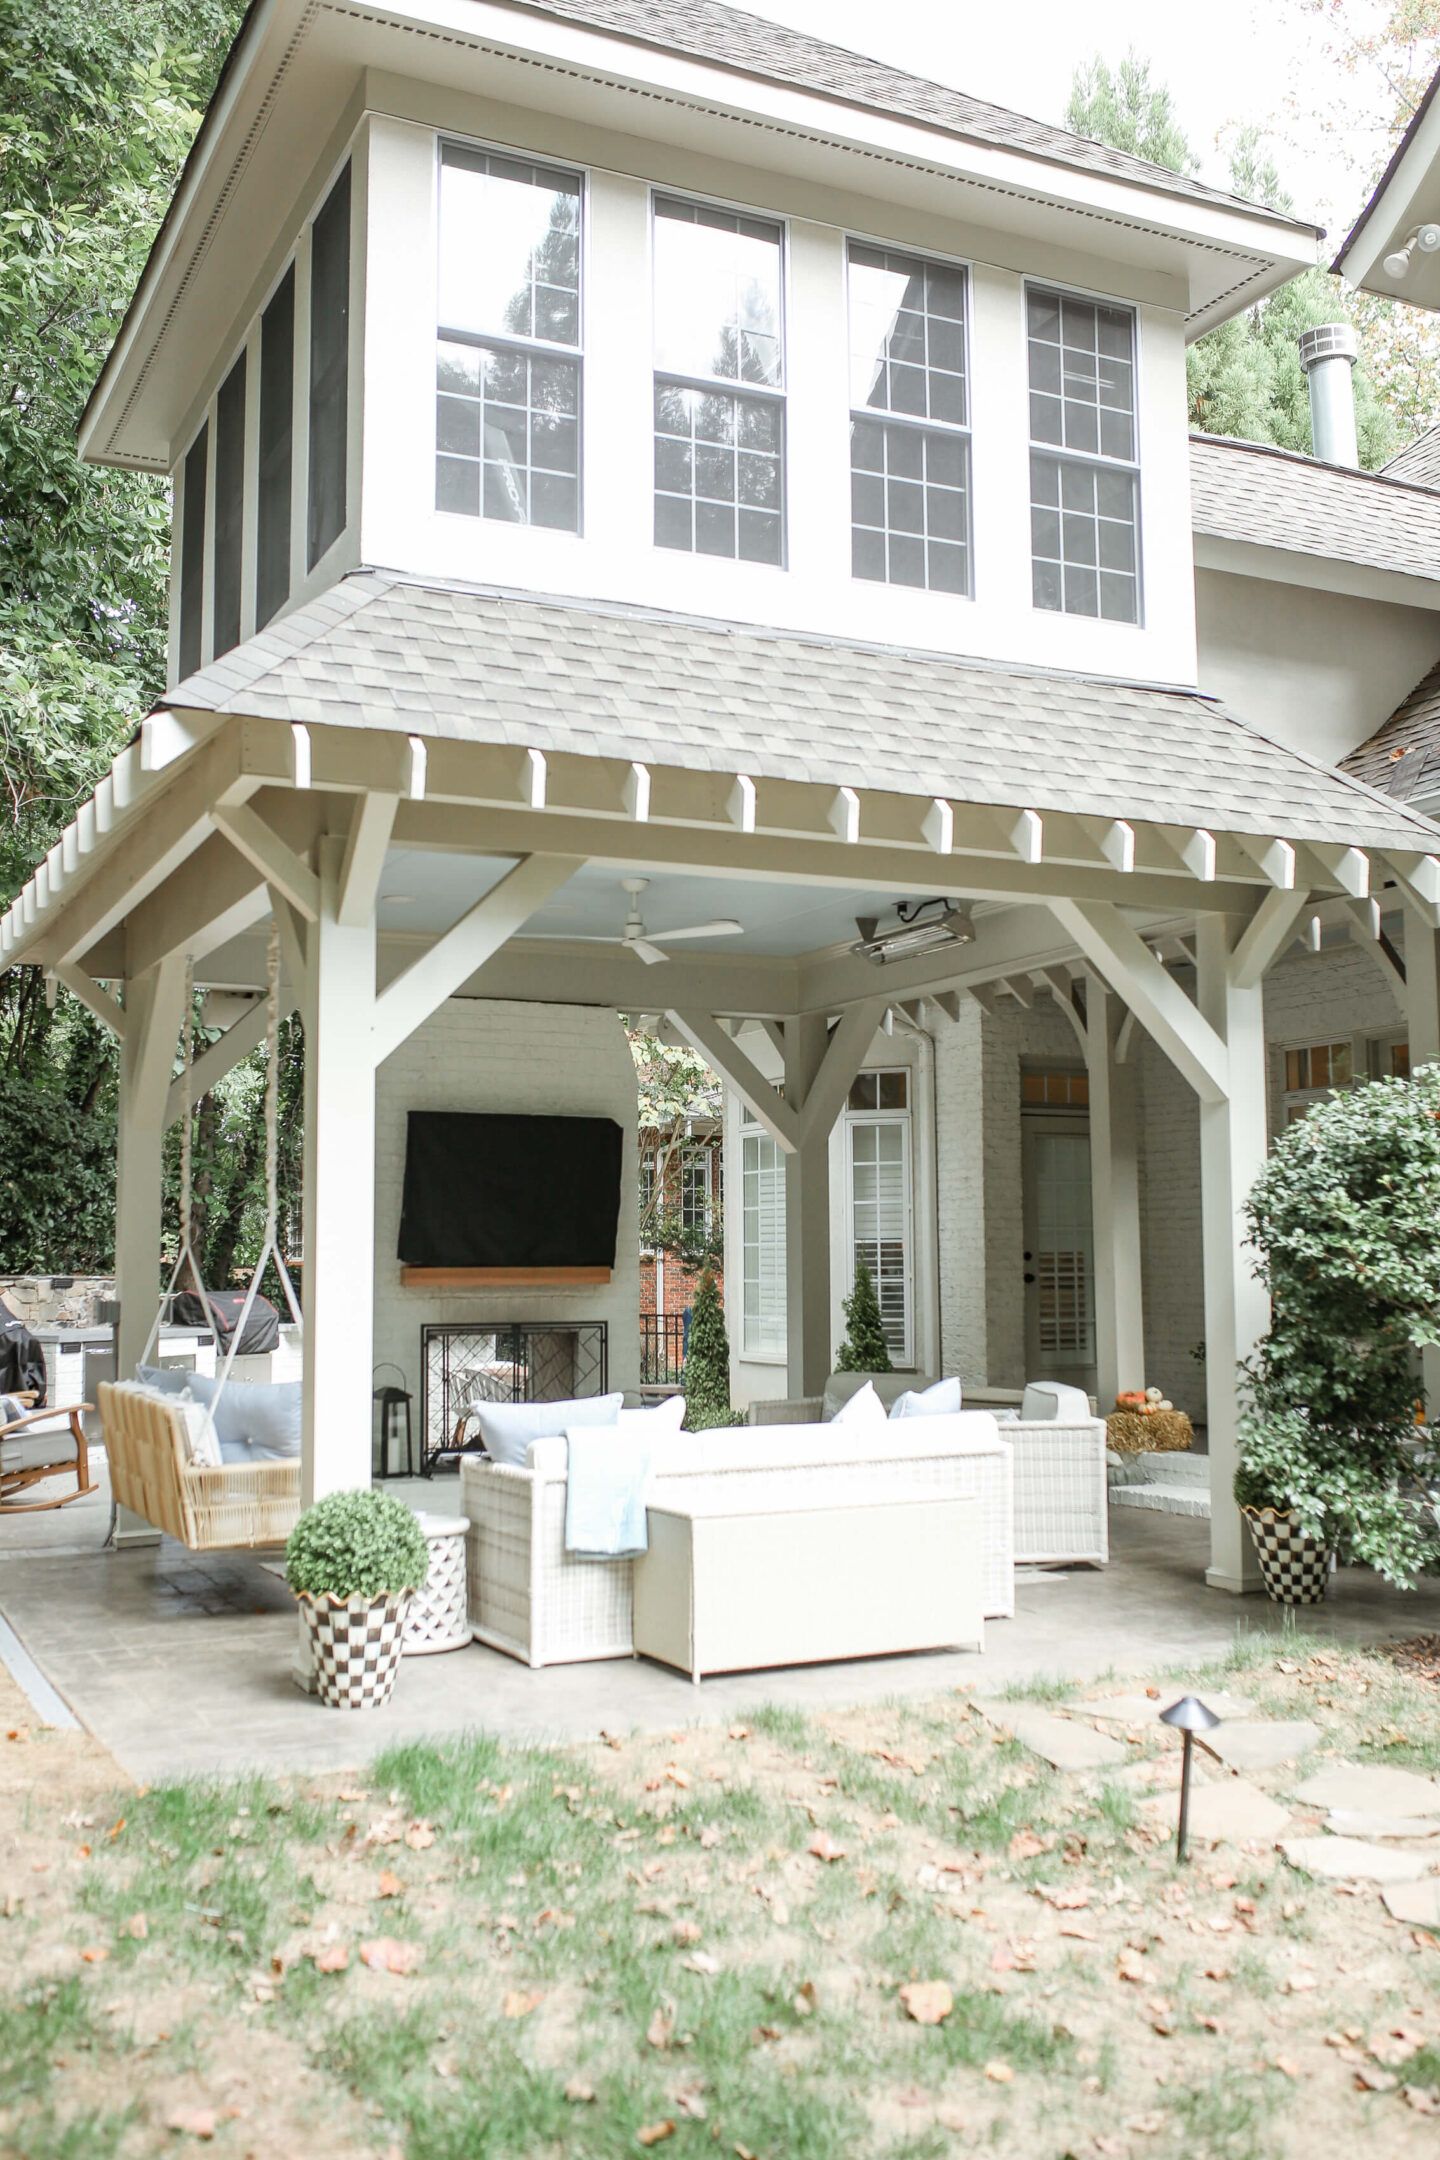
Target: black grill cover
[(262, 1329)]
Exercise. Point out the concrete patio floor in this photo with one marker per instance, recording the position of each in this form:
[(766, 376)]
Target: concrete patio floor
[(181, 1663)]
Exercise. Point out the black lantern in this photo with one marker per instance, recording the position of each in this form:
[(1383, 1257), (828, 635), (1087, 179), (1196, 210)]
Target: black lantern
[(392, 1406), (1189, 1716)]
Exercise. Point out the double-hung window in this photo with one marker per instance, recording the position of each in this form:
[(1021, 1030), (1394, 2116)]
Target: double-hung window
[(508, 365), (719, 450), (909, 422), (877, 1132), (762, 1242), (1084, 469)]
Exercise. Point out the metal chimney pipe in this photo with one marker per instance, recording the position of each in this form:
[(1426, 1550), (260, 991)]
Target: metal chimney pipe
[(1328, 354)]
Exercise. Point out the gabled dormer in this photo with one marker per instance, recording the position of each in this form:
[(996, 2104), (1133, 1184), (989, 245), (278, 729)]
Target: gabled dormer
[(663, 306)]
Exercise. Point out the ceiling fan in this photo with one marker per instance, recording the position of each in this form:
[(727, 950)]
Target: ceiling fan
[(646, 944)]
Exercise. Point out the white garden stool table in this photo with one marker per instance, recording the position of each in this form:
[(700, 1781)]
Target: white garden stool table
[(438, 1617)]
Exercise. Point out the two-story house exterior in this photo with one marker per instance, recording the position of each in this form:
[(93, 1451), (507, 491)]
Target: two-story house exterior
[(622, 439)]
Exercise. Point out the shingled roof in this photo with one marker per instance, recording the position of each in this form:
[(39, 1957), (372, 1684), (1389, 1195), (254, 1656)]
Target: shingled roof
[(1403, 759), (737, 39), (599, 680), (1418, 462), (1282, 499)]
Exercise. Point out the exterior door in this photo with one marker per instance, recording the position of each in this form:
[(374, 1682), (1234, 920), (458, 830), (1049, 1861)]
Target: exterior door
[(1059, 1249)]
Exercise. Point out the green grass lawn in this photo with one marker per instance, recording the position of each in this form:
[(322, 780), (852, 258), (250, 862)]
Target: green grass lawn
[(710, 1940)]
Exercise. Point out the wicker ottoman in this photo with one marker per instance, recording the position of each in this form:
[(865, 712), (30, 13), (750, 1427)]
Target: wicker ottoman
[(439, 1619)]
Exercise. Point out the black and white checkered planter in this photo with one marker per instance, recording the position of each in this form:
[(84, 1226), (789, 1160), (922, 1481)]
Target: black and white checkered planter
[(1294, 1568), (355, 1646)]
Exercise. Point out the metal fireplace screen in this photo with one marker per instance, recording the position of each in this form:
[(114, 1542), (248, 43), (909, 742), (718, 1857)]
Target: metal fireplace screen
[(547, 1361)]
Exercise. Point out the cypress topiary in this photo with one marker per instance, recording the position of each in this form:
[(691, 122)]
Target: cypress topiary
[(707, 1360), (864, 1348)]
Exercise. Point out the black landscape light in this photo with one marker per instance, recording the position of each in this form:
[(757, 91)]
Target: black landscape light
[(1189, 1716)]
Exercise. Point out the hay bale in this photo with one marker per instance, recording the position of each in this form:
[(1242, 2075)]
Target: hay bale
[(1133, 1432)]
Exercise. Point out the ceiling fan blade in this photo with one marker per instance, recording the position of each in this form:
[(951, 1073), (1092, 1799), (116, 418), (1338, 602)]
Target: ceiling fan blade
[(648, 953), (726, 928)]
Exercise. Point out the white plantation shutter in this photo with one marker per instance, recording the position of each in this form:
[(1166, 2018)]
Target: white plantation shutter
[(880, 1219), (762, 1308), (1064, 1250)]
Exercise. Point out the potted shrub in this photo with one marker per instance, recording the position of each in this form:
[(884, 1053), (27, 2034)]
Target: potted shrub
[(354, 1560), (1345, 1218)]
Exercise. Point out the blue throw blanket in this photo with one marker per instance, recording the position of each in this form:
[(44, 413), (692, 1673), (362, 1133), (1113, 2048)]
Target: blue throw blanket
[(605, 1493)]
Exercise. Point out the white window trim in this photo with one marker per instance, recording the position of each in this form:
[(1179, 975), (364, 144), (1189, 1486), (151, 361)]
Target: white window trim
[(1082, 457), (906, 1361)]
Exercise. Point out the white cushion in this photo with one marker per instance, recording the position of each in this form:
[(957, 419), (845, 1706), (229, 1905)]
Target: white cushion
[(1047, 1400), (942, 1400), (200, 1434), (666, 1416), (863, 1409), (507, 1429)]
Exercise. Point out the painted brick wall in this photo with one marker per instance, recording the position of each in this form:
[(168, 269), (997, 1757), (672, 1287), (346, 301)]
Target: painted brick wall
[(488, 1055), (1170, 1252)]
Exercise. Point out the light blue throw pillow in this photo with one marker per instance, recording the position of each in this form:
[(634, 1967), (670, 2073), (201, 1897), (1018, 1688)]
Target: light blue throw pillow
[(941, 1400), (202, 1388), (263, 1415), (507, 1429)]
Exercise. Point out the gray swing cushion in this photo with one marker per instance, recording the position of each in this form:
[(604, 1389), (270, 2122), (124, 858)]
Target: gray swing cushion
[(255, 1421), (32, 1450)]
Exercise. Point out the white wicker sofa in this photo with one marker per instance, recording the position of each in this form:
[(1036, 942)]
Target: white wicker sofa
[(530, 1598), (1062, 1510)]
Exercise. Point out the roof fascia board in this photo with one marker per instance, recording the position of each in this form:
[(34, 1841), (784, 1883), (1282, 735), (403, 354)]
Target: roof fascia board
[(1411, 163), (867, 129), (1316, 573), (246, 55)]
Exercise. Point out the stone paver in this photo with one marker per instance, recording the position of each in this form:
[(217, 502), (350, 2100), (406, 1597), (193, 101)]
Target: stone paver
[(1343, 1859), (1140, 1709), (1260, 1743), (1231, 1811), (1371, 1789), (1417, 1902), (1063, 1743), (1356, 1822)]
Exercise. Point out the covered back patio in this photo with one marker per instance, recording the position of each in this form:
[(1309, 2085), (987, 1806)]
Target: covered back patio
[(436, 793)]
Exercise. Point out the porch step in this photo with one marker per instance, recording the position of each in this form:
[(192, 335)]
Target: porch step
[(1168, 1497)]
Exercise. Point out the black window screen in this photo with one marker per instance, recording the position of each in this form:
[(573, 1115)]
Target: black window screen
[(329, 367), (229, 505), (277, 431), (192, 553)]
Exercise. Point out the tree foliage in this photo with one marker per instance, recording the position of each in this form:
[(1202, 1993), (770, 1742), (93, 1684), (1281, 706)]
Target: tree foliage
[(1344, 1219), (707, 1361), (681, 1105), (864, 1348), (1244, 378)]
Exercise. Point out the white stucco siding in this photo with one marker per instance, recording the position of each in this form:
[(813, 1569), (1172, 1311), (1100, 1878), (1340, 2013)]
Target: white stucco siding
[(1320, 671), (529, 1060), (614, 557)]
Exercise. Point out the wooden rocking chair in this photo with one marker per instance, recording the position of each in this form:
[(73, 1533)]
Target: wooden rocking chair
[(27, 1455)]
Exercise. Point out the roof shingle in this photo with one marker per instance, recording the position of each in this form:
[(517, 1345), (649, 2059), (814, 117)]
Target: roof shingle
[(1281, 499), (603, 680), (1402, 759), (1418, 462)]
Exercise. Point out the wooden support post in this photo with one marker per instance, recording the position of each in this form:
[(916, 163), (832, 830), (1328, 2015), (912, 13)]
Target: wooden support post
[(338, 1279), (154, 1007), (1115, 1199), (1233, 1138), (807, 1218)]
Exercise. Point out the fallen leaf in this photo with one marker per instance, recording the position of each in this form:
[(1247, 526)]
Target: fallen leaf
[(577, 2089), (419, 1836), (1066, 1900), (691, 2102), (739, 1732), (1000, 2073), (192, 2122), (1425, 2099), (95, 1956), (1027, 1845), (18, 1732), (115, 1829), (136, 1926), (521, 2001), (676, 1775), (1368, 2080), (1396, 2046), (384, 1954), (1076, 1932), (1296, 1983), (743, 2152), (1130, 1965), (805, 1999), (928, 2002), (1146, 2125), (686, 1931), (823, 1847), (660, 2030), (701, 1962), (709, 1836), (1288, 2066), (333, 1959), (654, 2133), (1210, 2024)]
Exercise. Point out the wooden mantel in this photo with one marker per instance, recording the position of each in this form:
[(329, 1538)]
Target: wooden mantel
[(502, 1278)]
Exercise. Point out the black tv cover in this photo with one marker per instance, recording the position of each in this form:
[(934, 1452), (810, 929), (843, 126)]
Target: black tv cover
[(494, 1192)]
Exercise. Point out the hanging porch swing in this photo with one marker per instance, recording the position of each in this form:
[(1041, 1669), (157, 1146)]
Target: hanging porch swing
[(209, 1507)]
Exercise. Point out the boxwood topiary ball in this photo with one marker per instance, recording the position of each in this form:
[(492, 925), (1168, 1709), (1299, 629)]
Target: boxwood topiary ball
[(356, 1544)]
